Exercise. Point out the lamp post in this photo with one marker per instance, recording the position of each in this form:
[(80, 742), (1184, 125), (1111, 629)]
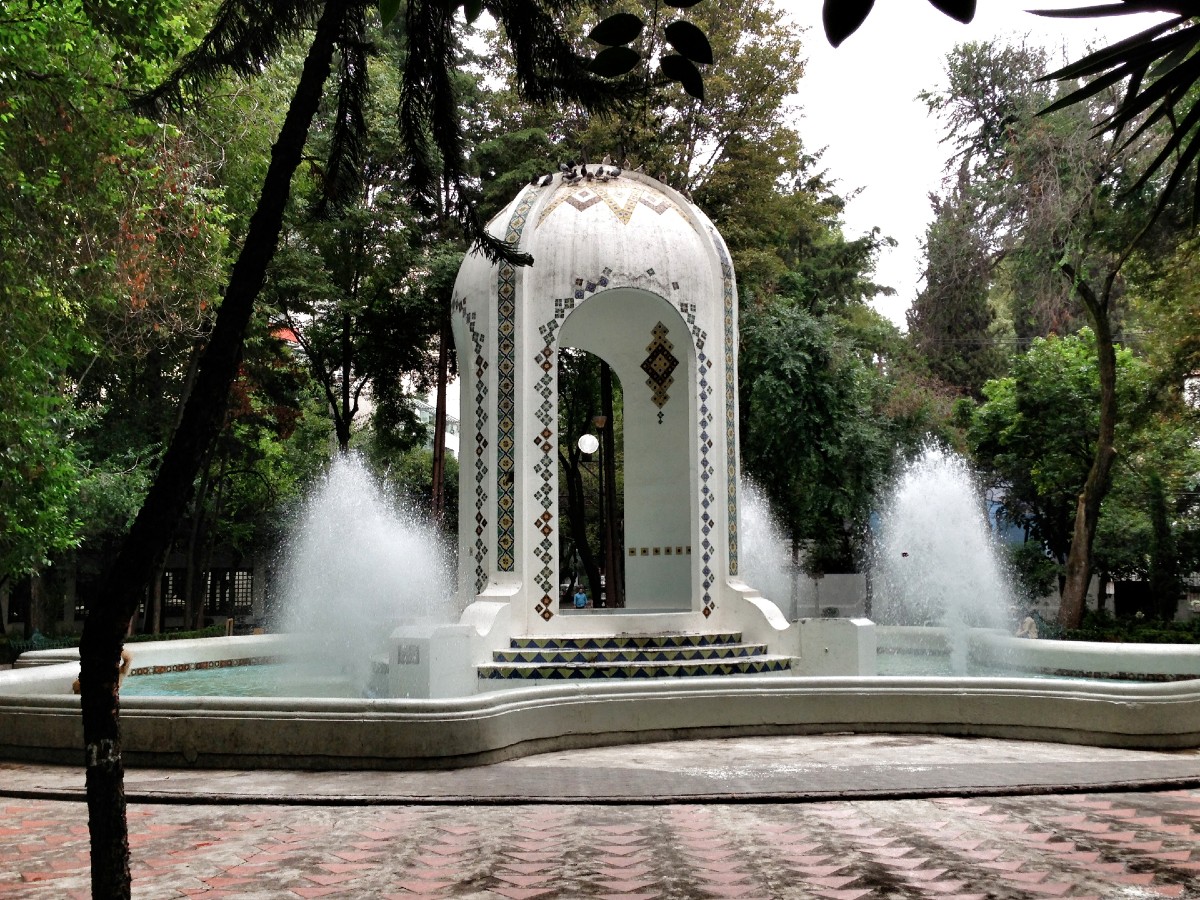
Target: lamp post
[(589, 444)]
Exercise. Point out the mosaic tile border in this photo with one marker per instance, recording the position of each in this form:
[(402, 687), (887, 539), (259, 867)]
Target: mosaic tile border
[(731, 459), (750, 666), (581, 198), (707, 522), (546, 468), (673, 550), (622, 641), (506, 367), (206, 664), (459, 305), (631, 654)]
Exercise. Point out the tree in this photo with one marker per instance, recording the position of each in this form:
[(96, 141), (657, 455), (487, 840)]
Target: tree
[(1036, 432), (243, 38), (76, 293), (951, 321), (813, 433), (1046, 187)]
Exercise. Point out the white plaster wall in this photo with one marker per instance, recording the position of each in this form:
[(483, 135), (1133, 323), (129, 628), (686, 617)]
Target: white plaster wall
[(659, 456), (634, 246)]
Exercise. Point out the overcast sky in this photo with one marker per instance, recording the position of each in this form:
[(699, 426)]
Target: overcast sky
[(859, 102)]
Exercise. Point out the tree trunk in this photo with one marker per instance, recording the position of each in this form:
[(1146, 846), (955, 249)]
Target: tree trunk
[(614, 582), (344, 417), (126, 580), (437, 490), (1087, 508), (578, 522)]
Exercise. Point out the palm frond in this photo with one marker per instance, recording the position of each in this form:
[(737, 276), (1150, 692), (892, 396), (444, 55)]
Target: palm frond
[(1161, 66), (546, 65), (343, 172), (245, 37)]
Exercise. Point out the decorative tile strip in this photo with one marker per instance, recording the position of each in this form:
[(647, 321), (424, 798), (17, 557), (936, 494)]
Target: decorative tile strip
[(707, 522), (546, 468), (730, 403), (204, 664), (481, 495), (634, 670), (674, 550), (506, 367), (621, 641)]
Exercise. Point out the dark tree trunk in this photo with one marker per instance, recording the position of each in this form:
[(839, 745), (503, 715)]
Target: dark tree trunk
[(613, 578), (193, 586), (437, 491), (345, 415), (578, 522), (1087, 508), (125, 582)]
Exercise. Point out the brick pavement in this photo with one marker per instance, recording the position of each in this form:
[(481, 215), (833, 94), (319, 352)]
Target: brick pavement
[(699, 826), (1113, 845)]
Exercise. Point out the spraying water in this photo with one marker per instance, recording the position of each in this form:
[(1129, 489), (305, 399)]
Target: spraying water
[(355, 567), (936, 560), (764, 554)]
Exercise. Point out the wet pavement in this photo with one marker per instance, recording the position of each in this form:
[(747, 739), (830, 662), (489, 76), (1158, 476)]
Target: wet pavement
[(832, 816)]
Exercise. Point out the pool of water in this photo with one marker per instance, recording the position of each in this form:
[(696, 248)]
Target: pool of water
[(286, 680), (272, 680)]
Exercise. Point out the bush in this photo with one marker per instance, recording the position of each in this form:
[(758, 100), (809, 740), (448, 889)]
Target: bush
[(1036, 573), (1102, 626)]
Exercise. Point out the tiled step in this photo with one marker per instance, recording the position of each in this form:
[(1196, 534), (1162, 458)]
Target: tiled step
[(621, 656), (708, 652), (755, 665), (620, 641)]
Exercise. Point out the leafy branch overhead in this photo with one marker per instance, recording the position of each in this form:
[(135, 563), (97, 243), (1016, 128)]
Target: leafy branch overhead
[(618, 58), (1161, 67), (841, 18)]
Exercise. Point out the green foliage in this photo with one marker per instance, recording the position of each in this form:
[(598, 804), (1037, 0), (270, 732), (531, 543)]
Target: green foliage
[(813, 432), (1035, 572), (1102, 626), (1037, 428), (109, 246), (951, 321), (408, 476)]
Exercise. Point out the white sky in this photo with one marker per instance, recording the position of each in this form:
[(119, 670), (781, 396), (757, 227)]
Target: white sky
[(859, 102)]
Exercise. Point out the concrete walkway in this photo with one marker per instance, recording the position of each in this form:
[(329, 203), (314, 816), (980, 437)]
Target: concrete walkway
[(832, 816)]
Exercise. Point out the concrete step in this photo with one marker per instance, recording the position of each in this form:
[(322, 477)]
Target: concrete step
[(525, 672)]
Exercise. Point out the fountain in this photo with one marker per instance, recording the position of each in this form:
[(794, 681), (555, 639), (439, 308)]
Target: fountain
[(630, 270), (766, 560), (936, 561), (355, 568)]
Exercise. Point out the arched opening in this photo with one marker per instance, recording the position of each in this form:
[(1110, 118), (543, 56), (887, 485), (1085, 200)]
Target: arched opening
[(646, 346), (591, 476)]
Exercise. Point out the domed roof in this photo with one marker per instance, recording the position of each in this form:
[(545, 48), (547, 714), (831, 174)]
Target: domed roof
[(585, 228)]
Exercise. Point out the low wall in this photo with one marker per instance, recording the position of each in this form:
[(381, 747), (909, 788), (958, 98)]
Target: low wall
[(1067, 659), (39, 718), (148, 656)]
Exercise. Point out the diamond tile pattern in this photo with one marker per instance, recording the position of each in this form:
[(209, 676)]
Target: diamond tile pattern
[(630, 656), (731, 454), (506, 310), (458, 305), (659, 365)]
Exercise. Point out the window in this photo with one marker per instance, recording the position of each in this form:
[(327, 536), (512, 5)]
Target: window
[(173, 603), (229, 592)]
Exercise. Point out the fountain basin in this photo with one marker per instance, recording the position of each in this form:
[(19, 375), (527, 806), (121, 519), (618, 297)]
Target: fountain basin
[(39, 717), (1071, 659)]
